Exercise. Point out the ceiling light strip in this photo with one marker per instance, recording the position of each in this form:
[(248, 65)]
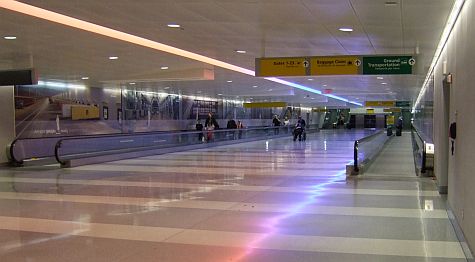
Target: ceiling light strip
[(453, 17), (105, 31)]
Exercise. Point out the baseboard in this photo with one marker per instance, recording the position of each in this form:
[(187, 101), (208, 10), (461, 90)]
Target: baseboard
[(460, 236), (443, 190)]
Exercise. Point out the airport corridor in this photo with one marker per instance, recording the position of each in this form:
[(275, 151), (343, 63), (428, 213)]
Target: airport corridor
[(274, 200)]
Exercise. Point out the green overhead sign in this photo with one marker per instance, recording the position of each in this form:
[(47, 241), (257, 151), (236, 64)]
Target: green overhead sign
[(388, 65), (403, 103)]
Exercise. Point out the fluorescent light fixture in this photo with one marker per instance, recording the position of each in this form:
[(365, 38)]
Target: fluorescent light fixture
[(174, 25), (132, 83), (85, 78), (60, 85), (220, 94), (325, 85), (9, 37), (164, 67), (301, 87), (380, 78), (454, 14), (241, 51), (51, 16), (199, 92), (310, 79), (167, 87), (384, 83), (346, 29), (270, 89), (113, 57), (229, 81), (254, 86)]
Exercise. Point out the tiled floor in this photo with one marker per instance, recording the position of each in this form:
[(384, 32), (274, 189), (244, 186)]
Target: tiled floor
[(273, 200)]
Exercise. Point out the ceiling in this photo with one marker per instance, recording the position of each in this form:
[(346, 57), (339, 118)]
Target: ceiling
[(216, 29)]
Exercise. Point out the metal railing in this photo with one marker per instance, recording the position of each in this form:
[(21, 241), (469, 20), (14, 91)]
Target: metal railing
[(30, 149), (423, 159), (374, 143), (68, 149)]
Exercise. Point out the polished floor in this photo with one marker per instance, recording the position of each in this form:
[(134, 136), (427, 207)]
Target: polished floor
[(275, 200)]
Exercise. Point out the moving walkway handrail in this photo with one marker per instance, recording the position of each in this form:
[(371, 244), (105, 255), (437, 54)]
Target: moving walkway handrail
[(16, 161), (355, 148), (114, 149), (424, 150)]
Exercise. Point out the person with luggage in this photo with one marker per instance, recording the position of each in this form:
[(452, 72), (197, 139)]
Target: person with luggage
[(210, 125), (399, 126), (299, 130), (231, 125)]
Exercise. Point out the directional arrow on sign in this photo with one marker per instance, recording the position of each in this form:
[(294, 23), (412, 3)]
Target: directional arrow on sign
[(306, 63), (412, 61), (357, 62)]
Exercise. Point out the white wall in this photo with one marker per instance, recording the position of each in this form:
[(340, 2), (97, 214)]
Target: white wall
[(7, 125), (460, 56)]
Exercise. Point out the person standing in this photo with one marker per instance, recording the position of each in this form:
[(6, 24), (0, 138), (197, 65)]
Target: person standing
[(276, 123), (240, 127), (199, 127), (299, 129), (210, 125)]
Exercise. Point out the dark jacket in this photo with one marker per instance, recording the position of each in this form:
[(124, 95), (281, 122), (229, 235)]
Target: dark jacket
[(301, 123), (211, 121), (231, 124)]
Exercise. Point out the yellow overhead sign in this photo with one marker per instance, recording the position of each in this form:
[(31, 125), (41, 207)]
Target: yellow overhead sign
[(390, 120), (319, 110), (369, 111), (394, 109), (334, 65), (265, 104), (380, 103), (293, 66)]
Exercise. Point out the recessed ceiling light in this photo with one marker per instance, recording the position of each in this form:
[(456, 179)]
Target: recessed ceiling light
[(325, 85), (132, 83), (384, 83), (220, 94), (346, 29), (229, 81), (241, 51), (310, 79), (9, 37), (254, 86), (380, 78), (85, 78), (174, 25), (167, 87), (113, 57)]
